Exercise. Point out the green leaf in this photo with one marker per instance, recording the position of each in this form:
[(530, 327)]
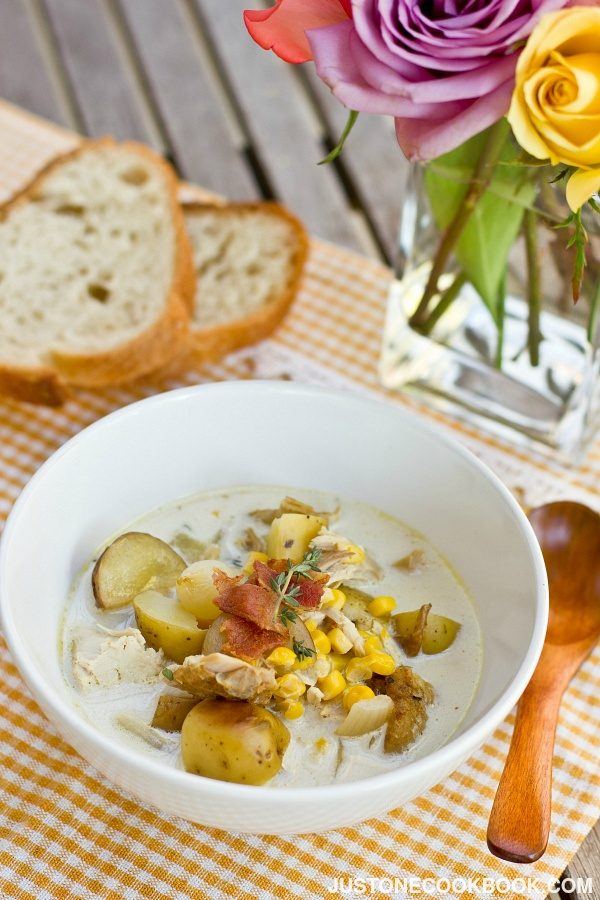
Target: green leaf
[(484, 244)]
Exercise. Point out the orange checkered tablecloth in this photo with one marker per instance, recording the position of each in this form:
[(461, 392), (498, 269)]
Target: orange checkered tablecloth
[(66, 832)]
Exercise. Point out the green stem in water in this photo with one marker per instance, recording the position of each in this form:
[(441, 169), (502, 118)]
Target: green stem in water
[(594, 313), (446, 301), (533, 285), (481, 177), (500, 323)]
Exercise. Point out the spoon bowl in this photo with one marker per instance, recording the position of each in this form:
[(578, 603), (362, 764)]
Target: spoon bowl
[(569, 535)]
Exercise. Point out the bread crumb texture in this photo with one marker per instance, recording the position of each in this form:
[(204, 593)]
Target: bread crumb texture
[(244, 260), (87, 257)]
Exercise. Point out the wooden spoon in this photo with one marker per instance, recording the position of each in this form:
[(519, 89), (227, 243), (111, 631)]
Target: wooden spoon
[(569, 535)]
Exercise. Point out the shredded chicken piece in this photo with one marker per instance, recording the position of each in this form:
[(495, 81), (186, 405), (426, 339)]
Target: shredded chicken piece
[(319, 669), (347, 627), (314, 696), (291, 505), (336, 553), (219, 675), (355, 607), (103, 657), (411, 696), (388, 643)]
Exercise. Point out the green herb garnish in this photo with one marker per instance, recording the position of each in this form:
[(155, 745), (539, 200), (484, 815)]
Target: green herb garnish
[(168, 673), (287, 596), (302, 651)]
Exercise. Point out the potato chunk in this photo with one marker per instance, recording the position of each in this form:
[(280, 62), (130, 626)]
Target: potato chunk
[(171, 711), (133, 563), (422, 630), (166, 625), (290, 535), (411, 695), (196, 591), (233, 741)]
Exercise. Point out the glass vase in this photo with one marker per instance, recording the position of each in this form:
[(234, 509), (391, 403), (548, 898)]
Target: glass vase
[(530, 371)]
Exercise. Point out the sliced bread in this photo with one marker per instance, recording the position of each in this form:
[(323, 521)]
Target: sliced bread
[(248, 259), (96, 274)]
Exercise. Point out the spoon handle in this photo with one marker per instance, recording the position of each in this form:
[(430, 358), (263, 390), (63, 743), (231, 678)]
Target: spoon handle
[(520, 820)]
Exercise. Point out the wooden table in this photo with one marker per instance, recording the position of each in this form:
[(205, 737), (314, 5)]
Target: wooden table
[(184, 77)]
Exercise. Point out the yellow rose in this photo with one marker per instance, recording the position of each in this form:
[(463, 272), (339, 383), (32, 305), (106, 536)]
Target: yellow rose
[(555, 108)]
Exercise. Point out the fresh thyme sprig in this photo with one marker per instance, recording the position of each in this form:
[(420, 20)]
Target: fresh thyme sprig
[(287, 594), (302, 651)]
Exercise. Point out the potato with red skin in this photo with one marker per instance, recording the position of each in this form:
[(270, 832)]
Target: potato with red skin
[(233, 740)]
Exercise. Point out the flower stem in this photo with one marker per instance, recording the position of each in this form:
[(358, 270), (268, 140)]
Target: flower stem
[(533, 285), (478, 184), (446, 301), (500, 324)]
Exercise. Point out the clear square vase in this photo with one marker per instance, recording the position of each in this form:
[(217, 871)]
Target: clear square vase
[(530, 368)]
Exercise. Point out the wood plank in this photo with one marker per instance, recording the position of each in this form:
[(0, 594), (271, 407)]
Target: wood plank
[(586, 864), (101, 81), (25, 76), (372, 160), (282, 128), (185, 92)]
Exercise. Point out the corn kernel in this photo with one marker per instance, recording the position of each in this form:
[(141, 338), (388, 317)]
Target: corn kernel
[(381, 663), (339, 642), (333, 598), (311, 625), (254, 556), (293, 710), (337, 661), (355, 693), (289, 687), (321, 642), (372, 644), (282, 656), (358, 555), (381, 606), (358, 670), (301, 664), (332, 685)]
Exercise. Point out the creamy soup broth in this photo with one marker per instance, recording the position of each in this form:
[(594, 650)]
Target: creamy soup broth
[(315, 755)]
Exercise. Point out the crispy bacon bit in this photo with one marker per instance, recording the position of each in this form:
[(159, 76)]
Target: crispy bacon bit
[(223, 582), (311, 591), (310, 588), (252, 602), (246, 640), (255, 602), (264, 573)]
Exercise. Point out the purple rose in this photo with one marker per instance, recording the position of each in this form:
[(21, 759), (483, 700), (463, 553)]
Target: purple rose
[(443, 68)]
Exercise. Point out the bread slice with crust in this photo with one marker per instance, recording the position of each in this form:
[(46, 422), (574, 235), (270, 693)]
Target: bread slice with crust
[(249, 259), (96, 274)]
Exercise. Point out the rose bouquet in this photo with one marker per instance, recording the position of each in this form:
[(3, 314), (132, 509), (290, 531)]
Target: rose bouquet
[(497, 99)]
